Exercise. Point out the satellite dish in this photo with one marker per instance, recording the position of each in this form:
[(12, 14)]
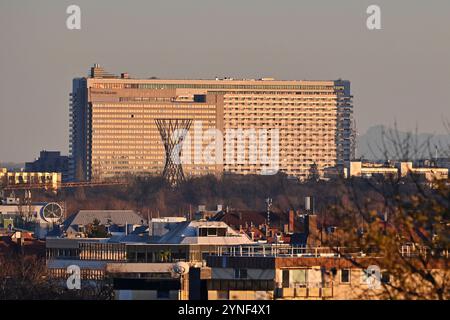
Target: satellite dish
[(52, 212), (180, 268)]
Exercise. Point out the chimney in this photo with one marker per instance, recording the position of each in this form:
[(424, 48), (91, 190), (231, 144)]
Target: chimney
[(291, 221), (313, 237), (309, 205)]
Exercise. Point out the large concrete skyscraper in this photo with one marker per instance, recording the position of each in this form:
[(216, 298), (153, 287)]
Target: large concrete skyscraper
[(113, 129)]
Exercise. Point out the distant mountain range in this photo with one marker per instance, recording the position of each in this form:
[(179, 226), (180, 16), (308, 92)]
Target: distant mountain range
[(381, 143)]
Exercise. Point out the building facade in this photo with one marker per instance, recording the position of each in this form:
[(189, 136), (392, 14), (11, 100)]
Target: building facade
[(50, 161), (148, 265), (50, 180), (113, 130), (268, 272), (397, 170)]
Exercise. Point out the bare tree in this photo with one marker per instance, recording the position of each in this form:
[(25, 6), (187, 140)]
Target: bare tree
[(25, 277), (401, 221)]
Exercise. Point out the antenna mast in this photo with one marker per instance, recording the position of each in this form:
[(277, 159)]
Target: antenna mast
[(269, 205)]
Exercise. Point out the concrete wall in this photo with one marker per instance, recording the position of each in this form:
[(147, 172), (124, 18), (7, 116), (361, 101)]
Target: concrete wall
[(143, 295)]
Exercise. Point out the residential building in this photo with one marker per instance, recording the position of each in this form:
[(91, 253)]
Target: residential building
[(50, 161), (268, 272), (397, 170), (20, 242), (40, 218), (113, 130), (209, 260), (144, 266), (49, 180)]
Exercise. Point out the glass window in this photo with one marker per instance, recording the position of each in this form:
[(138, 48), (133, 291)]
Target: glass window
[(212, 231), (298, 277), (385, 277)]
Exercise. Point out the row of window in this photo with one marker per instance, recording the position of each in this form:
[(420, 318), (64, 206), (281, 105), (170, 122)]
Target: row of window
[(85, 274), (103, 85), (118, 107)]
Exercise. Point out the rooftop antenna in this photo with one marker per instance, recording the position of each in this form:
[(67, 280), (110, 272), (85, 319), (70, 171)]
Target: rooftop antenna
[(269, 205)]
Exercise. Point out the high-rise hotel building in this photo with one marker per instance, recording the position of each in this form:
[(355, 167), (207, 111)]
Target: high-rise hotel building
[(113, 130)]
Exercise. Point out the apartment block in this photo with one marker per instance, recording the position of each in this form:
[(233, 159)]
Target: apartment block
[(398, 170), (113, 130), (49, 161), (50, 180)]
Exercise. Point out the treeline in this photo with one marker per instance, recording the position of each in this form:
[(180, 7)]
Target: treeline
[(151, 196)]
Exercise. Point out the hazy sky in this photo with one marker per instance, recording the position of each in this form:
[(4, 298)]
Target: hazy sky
[(401, 72)]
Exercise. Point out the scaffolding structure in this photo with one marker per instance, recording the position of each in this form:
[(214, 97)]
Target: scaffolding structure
[(173, 132)]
